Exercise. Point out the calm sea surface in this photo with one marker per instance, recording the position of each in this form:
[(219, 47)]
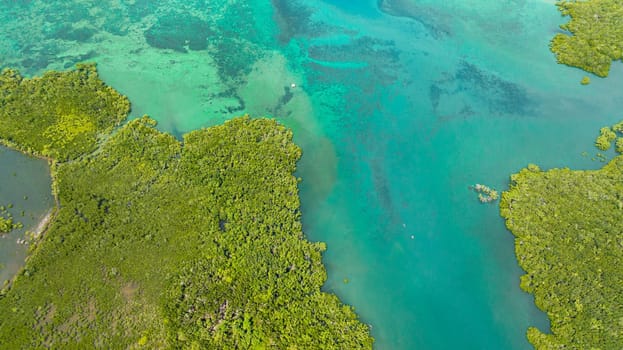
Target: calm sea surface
[(399, 107), (24, 185)]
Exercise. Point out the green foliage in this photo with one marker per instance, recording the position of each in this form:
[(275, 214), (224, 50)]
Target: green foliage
[(618, 127), (609, 134), (257, 282), (65, 112), (6, 224), (163, 244), (6, 220), (569, 239), (597, 35), (585, 80), (605, 138)]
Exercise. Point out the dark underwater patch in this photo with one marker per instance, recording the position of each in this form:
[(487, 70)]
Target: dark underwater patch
[(470, 83), (67, 12), (36, 62), (37, 57), (434, 95), (233, 57), (365, 49), (504, 96), (178, 31), (140, 9), (436, 23), (238, 45), (69, 32), (380, 59), (293, 20), (383, 191)]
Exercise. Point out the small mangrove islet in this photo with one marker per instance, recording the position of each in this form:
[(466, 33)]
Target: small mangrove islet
[(485, 193), (6, 220), (158, 243), (568, 228), (6, 224)]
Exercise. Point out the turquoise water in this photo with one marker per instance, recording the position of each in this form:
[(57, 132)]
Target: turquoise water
[(25, 184), (398, 105)]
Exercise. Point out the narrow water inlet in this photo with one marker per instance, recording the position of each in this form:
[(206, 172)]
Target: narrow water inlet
[(25, 186)]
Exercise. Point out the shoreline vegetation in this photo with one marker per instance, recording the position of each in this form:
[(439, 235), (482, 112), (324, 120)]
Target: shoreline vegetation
[(609, 135), (594, 35), (40, 229), (6, 221), (158, 243), (568, 228), (568, 224)]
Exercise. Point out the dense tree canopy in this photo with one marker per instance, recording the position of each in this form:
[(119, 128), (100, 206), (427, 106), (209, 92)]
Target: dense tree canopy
[(596, 38), (608, 135), (569, 239), (6, 224), (58, 115), (6, 221), (164, 244)]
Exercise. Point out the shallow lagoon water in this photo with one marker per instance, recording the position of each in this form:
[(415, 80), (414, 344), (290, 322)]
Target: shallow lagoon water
[(25, 184), (398, 105)]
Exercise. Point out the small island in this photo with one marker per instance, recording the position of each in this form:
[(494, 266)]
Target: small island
[(6, 221), (6, 224), (161, 243), (485, 193)]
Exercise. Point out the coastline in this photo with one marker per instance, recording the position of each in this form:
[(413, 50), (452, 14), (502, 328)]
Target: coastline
[(31, 153), (32, 238), (125, 266), (44, 222)]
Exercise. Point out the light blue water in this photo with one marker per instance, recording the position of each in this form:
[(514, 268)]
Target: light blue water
[(399, 107)]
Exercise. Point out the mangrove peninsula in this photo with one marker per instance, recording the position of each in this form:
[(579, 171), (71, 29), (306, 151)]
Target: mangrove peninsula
[(568, 228), (161, 243)]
